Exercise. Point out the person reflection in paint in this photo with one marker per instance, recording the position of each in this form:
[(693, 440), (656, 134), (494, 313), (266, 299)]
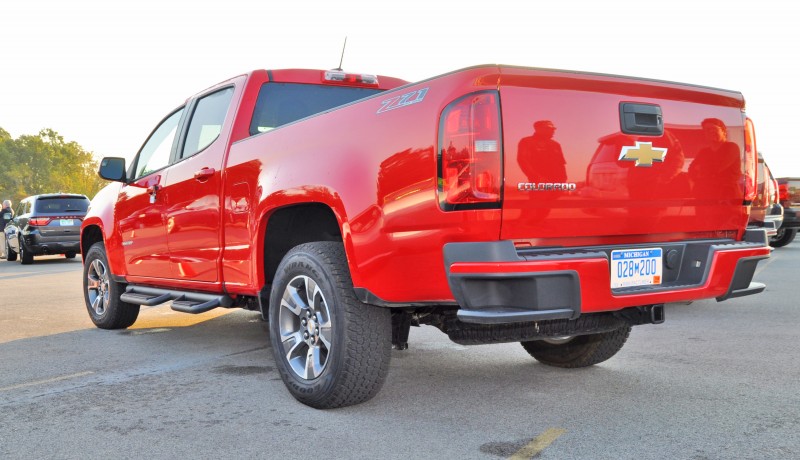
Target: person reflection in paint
[(540, 157), (716, 169)]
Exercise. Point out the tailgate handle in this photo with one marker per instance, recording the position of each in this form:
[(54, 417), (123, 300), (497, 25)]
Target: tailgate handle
[(641, 119)]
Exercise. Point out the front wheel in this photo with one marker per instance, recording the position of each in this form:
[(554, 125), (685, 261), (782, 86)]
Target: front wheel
[(578, 351), (331, 349), (101, 293), (784, 237)]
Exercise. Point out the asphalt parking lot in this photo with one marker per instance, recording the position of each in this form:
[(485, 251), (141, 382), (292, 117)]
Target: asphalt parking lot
[(715, 381)]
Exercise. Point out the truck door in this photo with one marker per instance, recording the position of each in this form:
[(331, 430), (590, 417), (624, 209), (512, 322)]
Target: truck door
[(140, 204), (193, 190)]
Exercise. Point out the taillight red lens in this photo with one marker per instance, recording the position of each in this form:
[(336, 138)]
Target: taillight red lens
[(39, 221), (783, 192), (470, 153), (750, 183)]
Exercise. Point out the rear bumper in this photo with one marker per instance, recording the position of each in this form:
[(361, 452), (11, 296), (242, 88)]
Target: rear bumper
[(496, 283), (791, 218), (39, 245)]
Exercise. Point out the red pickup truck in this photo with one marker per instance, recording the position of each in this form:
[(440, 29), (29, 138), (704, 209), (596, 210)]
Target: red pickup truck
[(497, 203)]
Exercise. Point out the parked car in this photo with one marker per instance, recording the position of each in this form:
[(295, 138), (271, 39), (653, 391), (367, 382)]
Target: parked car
[(46, 224), (789, 196), (766, 212)]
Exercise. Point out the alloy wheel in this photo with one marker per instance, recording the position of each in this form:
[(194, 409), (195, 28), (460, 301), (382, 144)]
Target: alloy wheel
[(305, 327), (98, 287)]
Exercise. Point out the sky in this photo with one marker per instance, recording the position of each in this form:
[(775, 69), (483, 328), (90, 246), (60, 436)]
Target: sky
[(104, 74)]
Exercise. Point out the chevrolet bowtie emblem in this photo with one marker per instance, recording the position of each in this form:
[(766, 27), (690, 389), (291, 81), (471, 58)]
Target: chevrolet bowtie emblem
[(644, 154)]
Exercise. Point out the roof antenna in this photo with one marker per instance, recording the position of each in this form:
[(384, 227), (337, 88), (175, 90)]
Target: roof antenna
[(342, 59)]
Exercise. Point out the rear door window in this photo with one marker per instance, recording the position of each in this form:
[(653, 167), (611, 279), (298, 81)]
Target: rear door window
[(207, 119)]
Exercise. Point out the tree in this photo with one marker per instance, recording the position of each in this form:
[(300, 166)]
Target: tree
[(45, 163)]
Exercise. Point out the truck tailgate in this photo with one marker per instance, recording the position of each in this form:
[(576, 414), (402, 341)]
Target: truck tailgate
[(573, 177)]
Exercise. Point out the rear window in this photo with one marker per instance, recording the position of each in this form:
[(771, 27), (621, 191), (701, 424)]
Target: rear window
[(282, 103), (61, 205)]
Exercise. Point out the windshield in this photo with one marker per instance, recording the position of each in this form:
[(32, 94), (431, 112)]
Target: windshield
[(282, 103)]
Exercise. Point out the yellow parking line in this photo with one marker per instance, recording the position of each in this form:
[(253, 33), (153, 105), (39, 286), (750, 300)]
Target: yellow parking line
[(538, 444), (165, 317), (43, 382)]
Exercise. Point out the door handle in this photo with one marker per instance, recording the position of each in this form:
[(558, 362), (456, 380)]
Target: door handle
[(643, 119), (204, 174), (152, 191)]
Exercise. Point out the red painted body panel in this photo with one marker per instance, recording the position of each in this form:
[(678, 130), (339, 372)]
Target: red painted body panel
[(614, 198), (377, 171), (379, 180)]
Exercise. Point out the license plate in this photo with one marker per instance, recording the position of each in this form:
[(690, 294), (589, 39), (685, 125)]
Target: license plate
[(635, 267), (65, 222)]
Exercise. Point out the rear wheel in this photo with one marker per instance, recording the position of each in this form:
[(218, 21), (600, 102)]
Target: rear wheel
[(331, 349), (25, 256), (10, 255), (101, 293), (70, 255), (578, 351), (784, 237)]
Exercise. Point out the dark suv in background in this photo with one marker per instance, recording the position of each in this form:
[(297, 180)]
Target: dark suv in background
[(789, 196), (46, 224)]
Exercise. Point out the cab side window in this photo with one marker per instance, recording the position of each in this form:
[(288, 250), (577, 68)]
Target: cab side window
[(155, 153), (207, 119)]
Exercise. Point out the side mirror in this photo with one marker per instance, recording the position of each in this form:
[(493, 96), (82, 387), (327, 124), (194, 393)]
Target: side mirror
[(112, 168)]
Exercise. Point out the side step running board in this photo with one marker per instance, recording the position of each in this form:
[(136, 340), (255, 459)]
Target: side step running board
[(182, 301)]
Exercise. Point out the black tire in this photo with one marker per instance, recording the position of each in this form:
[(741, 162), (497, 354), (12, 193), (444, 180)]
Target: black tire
[(101, 293), (352, 338), (25, 256), (784, 237), (70, 255), (11, 256), (579, 351)]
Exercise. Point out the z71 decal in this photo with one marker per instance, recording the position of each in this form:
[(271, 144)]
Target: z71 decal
[(398, 102)]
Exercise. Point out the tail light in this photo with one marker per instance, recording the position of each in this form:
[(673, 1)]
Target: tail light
[(470, 153), (39, 221), (750, 181), (783, 192)]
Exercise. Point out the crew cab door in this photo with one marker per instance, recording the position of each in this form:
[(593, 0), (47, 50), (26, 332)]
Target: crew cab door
[(193, 188), (140, 204)]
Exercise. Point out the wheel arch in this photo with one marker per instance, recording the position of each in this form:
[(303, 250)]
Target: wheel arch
[(288, 226), (90, 235)]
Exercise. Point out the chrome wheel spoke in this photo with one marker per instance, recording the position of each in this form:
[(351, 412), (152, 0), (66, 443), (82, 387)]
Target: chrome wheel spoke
[(324, 333), (313, 363), (99, 269), (297, 341), (98, 305), (292, 301), (94, 283), (311, 293)]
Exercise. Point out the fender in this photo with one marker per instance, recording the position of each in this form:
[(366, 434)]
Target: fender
[(101, 215)]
